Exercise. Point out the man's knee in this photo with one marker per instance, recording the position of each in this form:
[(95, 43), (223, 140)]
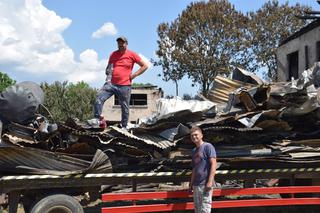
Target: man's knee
[(99, 100), (125, 109)]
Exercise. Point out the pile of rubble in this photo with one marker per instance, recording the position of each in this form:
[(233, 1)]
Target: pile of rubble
[(251, 123)]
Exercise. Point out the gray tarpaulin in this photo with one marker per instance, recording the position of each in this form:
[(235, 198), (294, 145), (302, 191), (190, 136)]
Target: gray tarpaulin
[(18, 103)]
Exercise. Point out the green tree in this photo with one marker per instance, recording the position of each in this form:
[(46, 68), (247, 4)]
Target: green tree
[(5, 81), (142, 85), (269, 25), (187, 97), (168, 54), (205, 40), (69, 100)]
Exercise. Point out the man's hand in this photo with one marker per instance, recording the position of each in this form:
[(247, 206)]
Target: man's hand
[(210, 183), (190, 190), (132, 76), (208, 187), (143, 67)]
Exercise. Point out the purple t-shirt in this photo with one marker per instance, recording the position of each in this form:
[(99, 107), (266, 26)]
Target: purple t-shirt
[(201, 163)]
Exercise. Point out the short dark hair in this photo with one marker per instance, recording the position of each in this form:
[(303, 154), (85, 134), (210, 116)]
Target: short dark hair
[(195, 128)]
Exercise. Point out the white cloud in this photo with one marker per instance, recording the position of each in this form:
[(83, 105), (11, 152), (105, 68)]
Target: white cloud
[(89, 69), (106, 29), (31, 41)]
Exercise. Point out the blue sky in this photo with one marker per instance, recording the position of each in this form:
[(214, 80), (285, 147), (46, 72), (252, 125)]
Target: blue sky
[(57, 40)]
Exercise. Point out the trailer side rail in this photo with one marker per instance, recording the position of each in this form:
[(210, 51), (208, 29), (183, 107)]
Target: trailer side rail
[(239, 202)]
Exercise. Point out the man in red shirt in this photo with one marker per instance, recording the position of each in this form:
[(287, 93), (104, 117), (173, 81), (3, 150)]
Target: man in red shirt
[(119, 78)]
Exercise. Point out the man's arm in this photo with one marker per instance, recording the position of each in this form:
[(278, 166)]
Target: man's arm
[(213, 163), (107, 71), (143, 67), (109, 63), (191, 181), (0, 130)]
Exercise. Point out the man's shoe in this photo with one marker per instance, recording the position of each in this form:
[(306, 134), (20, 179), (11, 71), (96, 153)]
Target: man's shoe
[(98, 122), (102, 122), (93, 122)]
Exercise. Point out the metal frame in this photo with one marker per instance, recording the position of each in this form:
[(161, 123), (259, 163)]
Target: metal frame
[(15, 185), (22, 182), (134, 196)]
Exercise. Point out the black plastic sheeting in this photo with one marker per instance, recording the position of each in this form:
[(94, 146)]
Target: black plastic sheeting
[(19, 103)]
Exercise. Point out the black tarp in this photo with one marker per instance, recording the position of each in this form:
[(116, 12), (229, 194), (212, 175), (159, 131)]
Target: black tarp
[(19, 103)]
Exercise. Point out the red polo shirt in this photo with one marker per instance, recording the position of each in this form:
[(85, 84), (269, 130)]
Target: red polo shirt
[(122, 66)]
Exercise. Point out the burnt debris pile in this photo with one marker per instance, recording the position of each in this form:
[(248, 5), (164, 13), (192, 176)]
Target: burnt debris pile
[(251, 123)]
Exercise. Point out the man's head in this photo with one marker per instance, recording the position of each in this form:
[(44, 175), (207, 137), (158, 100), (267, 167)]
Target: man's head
[(196, 135), (122, 43)]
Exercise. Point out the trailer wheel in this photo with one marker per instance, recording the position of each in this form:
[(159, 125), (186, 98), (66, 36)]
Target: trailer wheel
[(58, 203)]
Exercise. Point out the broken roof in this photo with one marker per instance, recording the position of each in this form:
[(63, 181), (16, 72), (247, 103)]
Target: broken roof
[(302, 31)]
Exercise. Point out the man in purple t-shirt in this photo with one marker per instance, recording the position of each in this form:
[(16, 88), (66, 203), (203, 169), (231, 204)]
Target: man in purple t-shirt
[(204, 165)]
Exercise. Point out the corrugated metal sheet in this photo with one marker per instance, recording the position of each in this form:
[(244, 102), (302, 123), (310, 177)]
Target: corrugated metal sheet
[(145, 139), (35, 161), (223, 87)]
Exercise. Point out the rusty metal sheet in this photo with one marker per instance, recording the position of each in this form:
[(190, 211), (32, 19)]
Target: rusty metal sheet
[(223, 87), (306, 142), (274, 125), (19, 160), (249, 103)]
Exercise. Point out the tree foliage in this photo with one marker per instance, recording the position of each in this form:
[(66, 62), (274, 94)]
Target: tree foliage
[(5, 81), (142, 85), (211, 37), (206, 39), (187, 97), (168, 53), (69, 100), (269, 25)]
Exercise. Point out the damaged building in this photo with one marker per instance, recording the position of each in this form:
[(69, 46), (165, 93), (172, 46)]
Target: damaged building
[(298, 52), (142, 103)]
